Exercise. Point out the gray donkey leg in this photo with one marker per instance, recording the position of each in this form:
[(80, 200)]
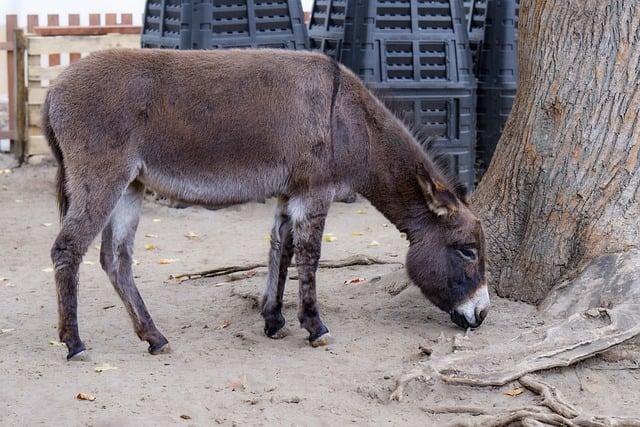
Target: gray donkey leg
[(280, 255), (308, 214), (90, 203), (116, 258)]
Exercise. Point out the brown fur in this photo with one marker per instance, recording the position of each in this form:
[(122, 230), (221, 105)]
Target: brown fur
[(224, 127)]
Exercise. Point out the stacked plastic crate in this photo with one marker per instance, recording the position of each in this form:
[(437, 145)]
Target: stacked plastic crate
[(498, 75), (212, 24), (415, 54), (476, 14)]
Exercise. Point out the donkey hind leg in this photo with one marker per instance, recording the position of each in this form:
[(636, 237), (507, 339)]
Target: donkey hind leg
[(89, 209), (280, 255), (308, 214), (116, 252)]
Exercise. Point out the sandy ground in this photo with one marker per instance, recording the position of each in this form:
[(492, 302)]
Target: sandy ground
[(222, 369)]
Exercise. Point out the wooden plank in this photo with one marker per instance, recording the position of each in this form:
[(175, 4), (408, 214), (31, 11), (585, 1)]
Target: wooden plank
[(126, 19), (45, 73), (87, 31), (36, 94), (74, 21), (19, 143), (12, 24), (34, 113), (111, 19), (85, 44), (32, 22), (94, 19), (53, 21), (37, 145)]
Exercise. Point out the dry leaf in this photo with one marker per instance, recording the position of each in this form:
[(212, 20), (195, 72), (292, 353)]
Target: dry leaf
[(354, 280), (192, 236), (6, 331), (185, 417), (136, 262), (239, 384), (5, 171), (224, 324), (150, 247), (357, 233), (514, 392), (374, 243), (3, 279), (46, 224), (86, 396), (329, 237), (88, 262), (56, 343), (267, 237), (48, 270), (97, 247), (104, 367), (151, 236), (157, 220), (361, 211), (164, 261)]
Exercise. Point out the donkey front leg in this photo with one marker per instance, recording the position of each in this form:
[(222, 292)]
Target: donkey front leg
[(280, 255), (308, 215), (116, 254)]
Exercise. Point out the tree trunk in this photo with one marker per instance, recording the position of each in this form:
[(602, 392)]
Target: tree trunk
[(563, 186)]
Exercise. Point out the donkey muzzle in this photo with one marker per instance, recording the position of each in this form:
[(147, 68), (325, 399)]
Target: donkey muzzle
[(473, 311)]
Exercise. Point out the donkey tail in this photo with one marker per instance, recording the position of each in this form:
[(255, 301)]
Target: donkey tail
[(61, 193)]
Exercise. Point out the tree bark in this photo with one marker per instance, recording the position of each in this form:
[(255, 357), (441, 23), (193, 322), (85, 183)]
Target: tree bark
[(563, 186)]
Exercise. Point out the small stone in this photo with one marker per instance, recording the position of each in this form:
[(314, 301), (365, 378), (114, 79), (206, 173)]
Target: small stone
[(185, 417)]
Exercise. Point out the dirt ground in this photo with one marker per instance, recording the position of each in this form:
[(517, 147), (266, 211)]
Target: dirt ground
[(222, 369)]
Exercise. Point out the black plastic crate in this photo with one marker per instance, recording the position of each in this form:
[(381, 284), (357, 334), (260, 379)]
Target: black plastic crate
[(476, 15), (498, 75), (327, 26), (212, 24), (416, 55), (444, 119)]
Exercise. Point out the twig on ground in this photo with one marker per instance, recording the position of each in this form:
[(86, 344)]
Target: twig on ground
[(471, 410), (359, 259)]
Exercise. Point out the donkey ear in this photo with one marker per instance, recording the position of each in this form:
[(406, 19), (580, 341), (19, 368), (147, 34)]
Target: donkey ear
[(440, 200)]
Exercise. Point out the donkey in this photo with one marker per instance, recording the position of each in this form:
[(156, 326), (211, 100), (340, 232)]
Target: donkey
[(224, 127)]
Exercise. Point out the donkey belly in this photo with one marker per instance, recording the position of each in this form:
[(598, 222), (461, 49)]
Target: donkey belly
[(216, 185)]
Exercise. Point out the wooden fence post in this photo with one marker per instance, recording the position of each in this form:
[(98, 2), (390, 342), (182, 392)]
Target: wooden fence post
[(18, 145), (12, 24)]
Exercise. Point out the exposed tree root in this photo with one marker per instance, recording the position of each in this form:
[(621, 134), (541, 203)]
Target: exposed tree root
[(550, 396), (471, 410), (224, 271), (398, 393)]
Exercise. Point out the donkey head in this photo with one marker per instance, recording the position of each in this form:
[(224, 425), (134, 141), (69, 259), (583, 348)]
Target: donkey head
[(446, 260)]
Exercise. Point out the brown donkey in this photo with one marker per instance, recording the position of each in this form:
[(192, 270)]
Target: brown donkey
[(231, 126)]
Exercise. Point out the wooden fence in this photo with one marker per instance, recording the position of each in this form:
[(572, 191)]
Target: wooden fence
[(37, 57)]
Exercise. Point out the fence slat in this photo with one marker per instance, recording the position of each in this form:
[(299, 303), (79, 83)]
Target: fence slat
[(74, 20), (45, 73), (32, 22), (53, 21), (84, 44)]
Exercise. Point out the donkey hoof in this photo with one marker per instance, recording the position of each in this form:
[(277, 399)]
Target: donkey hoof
[(79, 356), (279, 334), (161, 347), (324, 339)]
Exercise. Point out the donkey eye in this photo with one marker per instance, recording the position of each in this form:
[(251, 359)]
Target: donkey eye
[(468, 254)]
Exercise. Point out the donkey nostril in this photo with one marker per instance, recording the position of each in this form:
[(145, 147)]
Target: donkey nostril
[(480, 316)]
